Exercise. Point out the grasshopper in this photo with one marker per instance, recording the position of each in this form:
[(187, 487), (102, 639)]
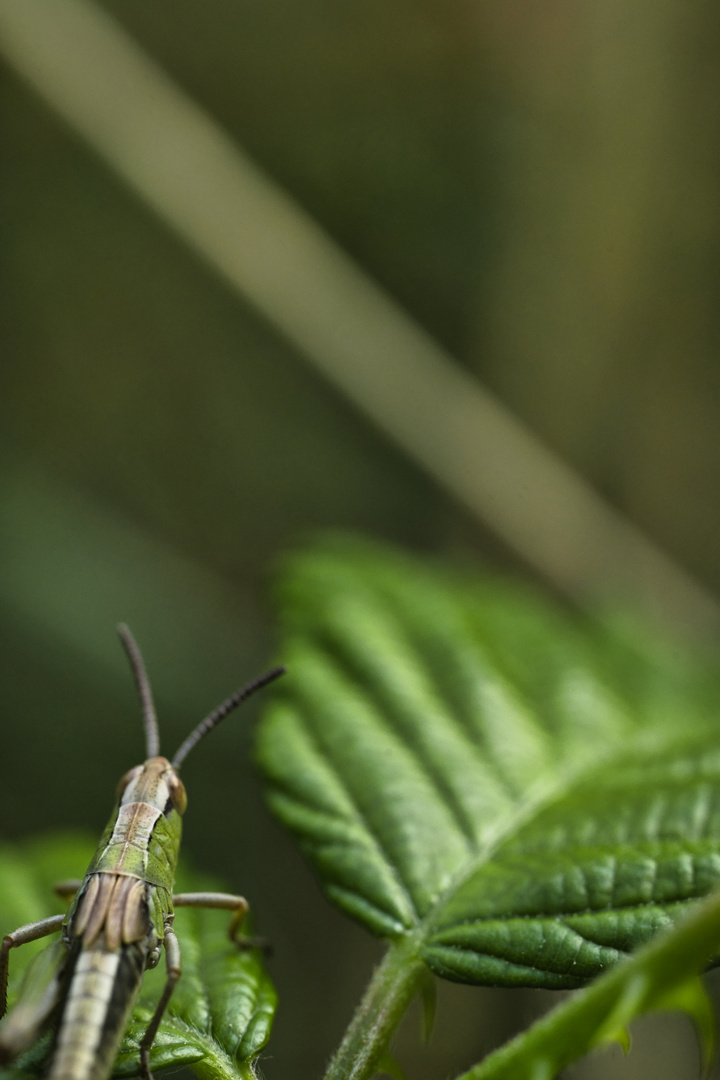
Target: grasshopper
[(121, 915)]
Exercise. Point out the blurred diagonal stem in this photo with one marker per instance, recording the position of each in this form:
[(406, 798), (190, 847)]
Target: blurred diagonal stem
[(193, 176)]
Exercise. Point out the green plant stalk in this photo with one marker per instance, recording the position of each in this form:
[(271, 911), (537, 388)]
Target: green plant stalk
[(394, 984)]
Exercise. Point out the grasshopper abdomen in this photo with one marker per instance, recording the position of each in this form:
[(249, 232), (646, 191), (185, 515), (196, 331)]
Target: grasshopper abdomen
[(101, 992)]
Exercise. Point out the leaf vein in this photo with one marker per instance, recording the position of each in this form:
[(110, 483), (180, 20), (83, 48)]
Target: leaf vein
[(361, 818), (388, 701)]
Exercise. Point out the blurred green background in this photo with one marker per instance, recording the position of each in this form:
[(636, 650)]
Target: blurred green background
[(539, 186)]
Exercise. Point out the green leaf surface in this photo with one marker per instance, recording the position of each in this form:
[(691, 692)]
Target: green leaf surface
[(221, 1011), (527, 795), (661, 976)]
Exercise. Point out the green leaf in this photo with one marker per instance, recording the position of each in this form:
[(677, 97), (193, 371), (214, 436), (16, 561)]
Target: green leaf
[(524, 795), (661, 976), (221, 1011)]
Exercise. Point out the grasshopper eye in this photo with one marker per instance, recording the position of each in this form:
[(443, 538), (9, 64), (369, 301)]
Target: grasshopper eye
[(176, 790), (127, 779)]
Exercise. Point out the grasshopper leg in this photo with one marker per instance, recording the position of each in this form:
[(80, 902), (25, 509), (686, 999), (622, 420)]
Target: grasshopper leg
[(238, 905), (226, 902), (29, 932), (38, 997), (173, 961), (66, 889)]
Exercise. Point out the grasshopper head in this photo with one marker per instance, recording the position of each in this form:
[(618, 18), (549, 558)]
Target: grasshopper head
[(156, 783)]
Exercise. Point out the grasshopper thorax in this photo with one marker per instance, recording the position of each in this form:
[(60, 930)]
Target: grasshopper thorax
[(156, 784)]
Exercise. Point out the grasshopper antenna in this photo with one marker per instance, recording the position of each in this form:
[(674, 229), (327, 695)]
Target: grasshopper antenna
[(221, 712), (152, 734)]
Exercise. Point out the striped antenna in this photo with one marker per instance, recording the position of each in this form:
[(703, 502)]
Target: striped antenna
[(221, 712), (152, 734)]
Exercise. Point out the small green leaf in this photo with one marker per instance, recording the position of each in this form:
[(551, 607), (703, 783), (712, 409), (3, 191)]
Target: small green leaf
[(221, 1011), (390, 1067), (526, 796)]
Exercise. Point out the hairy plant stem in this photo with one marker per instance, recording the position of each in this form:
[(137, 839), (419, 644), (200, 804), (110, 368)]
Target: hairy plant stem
[(395, 982)]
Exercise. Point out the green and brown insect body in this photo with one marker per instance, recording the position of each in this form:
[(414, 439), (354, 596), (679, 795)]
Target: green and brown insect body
[(120, 918), (116, 925)]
